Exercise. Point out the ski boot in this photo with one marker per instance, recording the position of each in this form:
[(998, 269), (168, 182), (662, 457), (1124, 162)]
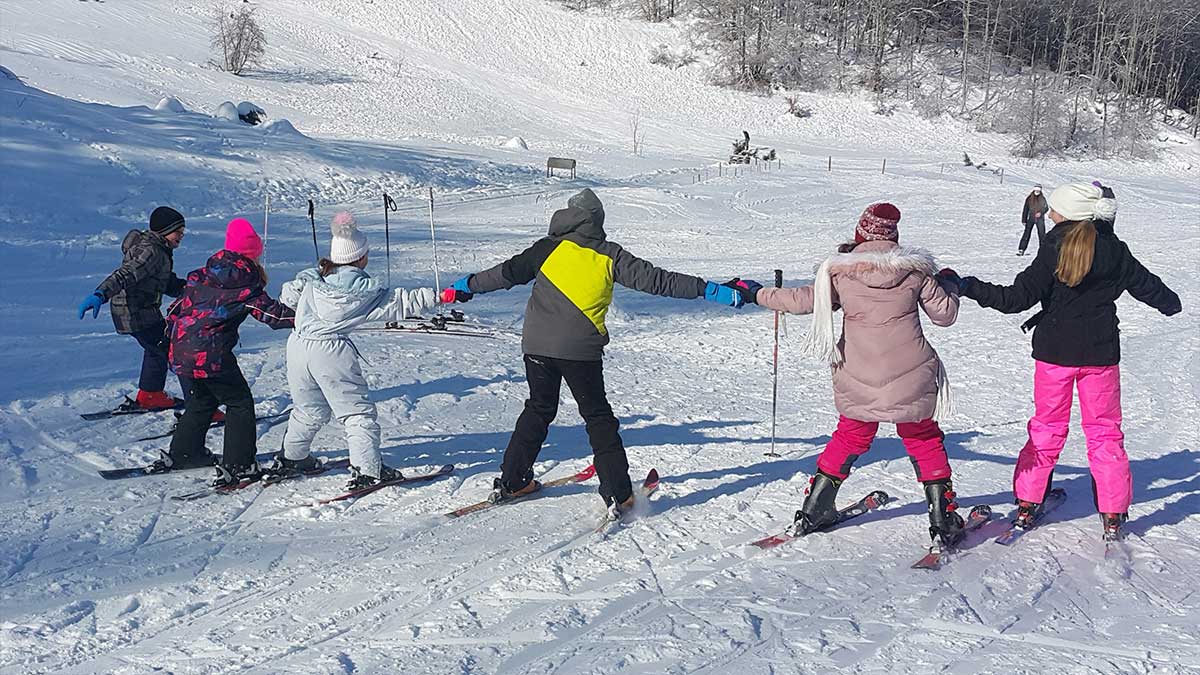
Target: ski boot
[(229, 476), (282, 466), (945, 525), (359, 480), (500, 491), (617, 510), (819, 510), (166, 462), (1113, 523), (1027, 514), (155, 400)]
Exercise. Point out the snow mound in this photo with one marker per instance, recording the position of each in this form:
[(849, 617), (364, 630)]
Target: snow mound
[(170, 104), (516, 143), (282, 127), (227, 111)]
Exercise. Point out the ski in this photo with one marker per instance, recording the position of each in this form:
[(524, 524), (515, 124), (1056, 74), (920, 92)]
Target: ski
[(274, 419), (416, 478), (264, 478), (489, 503), (434, 329), (129, 407), (938, 556), (1053, 500), (865, 505), (155, 470), (647, 488)]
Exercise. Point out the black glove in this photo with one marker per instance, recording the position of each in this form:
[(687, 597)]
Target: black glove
[(747, 288)]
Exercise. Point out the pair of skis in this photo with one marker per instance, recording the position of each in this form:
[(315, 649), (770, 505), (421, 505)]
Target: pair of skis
[(267, 479)]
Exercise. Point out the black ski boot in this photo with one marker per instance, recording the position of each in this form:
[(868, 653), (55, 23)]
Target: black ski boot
[(167, 462), (1113, 522), (228, 476), (359, 480), (945, 526), (820, 509), (282, 466), (500, 491)]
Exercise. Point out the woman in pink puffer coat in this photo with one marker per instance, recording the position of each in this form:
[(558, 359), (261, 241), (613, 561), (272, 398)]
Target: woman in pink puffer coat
[(883, 368)]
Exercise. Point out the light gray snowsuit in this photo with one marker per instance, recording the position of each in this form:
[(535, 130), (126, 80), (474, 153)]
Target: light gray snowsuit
[(322, 363)]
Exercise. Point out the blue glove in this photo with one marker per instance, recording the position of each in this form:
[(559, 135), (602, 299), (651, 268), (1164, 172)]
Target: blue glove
[(463, 285), (749, 289), (722, 295), (459, 291), (92, 302)]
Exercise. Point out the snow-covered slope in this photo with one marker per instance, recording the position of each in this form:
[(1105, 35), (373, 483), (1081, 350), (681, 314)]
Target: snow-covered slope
[(102, 577)]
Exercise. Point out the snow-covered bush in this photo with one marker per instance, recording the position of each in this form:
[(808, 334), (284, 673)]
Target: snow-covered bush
[(170, 104), (250, 113), (237, 37), (227, 111), (662, 55)]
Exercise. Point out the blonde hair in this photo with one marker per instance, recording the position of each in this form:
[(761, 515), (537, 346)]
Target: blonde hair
[(1076, 253)]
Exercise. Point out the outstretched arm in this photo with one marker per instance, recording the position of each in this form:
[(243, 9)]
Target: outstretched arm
[(633, 272), (404, 304), (1146, 287), (939, 299), (516, 271), (796, 300), (131, 272), (271, 312), (1030, 287)]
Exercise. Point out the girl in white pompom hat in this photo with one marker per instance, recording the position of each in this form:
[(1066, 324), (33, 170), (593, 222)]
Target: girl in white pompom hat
[(323, 364), (1077, 277)]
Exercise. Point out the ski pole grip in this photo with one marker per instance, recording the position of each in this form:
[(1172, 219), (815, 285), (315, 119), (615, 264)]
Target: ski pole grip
[(778, 278)]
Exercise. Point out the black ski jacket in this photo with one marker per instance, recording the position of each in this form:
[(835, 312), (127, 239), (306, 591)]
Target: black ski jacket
[(1077, 326)]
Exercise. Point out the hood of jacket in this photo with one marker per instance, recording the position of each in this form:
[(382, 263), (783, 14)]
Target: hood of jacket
[(329, 304), (137, 238), (224, 274), (882, 264), (584, 216)]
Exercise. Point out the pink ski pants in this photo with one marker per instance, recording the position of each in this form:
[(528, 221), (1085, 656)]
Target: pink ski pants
[(922, 440), (1100, 408)]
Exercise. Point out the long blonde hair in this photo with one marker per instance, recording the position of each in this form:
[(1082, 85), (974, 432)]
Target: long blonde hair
[(1076, 253)]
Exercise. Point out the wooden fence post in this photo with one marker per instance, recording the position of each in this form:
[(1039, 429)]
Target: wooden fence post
[(884, 169), (1002, 175), (830, 167)]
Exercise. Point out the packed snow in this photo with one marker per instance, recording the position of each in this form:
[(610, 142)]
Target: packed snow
[(115, 577)]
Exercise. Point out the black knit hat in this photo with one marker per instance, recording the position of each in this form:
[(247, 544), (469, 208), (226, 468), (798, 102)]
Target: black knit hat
[(166, 220)]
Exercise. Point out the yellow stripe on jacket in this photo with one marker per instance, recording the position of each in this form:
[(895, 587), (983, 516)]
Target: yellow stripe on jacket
[(585, 277)]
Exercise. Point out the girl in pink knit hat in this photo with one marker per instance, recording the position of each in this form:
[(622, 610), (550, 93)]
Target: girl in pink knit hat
[(884, 370), (204, 326)]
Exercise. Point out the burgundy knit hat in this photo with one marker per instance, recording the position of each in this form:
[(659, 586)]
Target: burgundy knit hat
[(878, 222)]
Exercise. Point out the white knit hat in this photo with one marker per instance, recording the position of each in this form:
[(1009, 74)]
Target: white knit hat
[(349, 243), (1075, 201)]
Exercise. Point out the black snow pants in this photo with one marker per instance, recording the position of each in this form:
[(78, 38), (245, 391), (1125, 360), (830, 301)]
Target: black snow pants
[(204, 395), (586, 381)]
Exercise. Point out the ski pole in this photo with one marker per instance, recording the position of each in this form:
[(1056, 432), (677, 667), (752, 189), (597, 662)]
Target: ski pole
[(266, 227), (388, 205), (437, 282), (775, 372), (313, 221)]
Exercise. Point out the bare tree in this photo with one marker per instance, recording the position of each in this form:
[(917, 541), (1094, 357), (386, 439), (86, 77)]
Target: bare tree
[(237, 37), (636, 131)]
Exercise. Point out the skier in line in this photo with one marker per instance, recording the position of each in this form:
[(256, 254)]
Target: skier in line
[(323, 363), (883, 368), (135, 290), (573, 270), (204, 324), (1077, 278), (1033, 214)]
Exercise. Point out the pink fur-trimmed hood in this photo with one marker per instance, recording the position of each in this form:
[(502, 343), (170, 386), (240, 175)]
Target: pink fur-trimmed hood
[(881, 264)]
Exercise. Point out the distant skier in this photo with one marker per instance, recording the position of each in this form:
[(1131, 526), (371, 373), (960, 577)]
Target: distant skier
[(323, 364), (204, 324), (1033, 214), (135, 290), (573, 270), (883, 368), (1077, 277)]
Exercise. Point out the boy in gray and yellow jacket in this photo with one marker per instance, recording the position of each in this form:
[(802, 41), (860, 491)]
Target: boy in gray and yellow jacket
[(573, 270)]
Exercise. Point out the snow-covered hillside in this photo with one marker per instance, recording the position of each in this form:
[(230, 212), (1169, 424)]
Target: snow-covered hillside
[(115, 577)]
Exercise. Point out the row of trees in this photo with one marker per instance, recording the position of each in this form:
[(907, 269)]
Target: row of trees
[(1097, 69)]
